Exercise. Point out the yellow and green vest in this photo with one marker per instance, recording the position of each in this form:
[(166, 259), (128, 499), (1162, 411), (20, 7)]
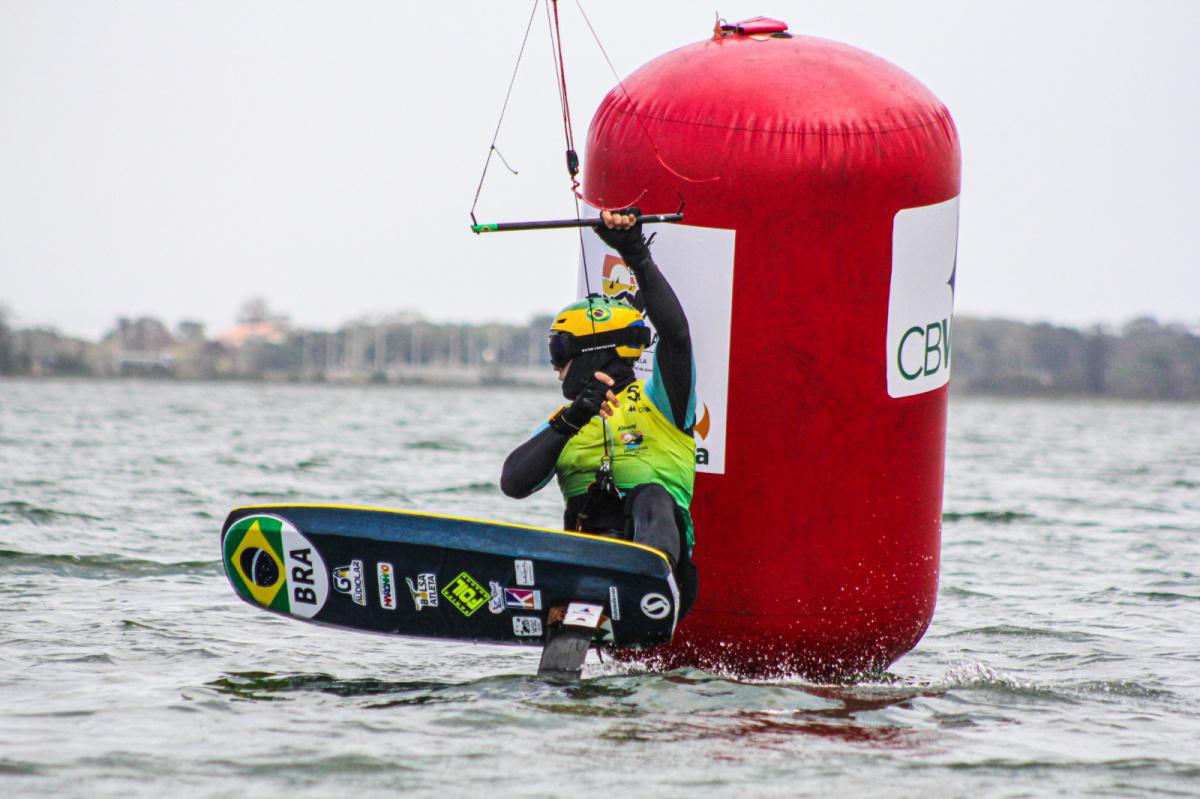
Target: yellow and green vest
[(646, 448)]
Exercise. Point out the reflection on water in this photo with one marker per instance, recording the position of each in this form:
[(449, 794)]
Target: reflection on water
[(260, 686), (845, 714)]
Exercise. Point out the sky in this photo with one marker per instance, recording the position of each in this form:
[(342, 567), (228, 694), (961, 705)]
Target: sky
[(174, 158)]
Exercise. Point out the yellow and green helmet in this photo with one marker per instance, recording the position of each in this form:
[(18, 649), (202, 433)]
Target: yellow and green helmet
[(597, 323)]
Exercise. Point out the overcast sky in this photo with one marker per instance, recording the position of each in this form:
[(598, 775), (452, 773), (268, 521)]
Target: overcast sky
[(173, 158)]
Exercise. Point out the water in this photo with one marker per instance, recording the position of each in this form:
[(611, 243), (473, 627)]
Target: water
[(1064, 657)]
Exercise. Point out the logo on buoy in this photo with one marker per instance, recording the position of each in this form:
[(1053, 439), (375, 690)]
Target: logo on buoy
[(921, 298), (705, 287), (618, 282), (270, 563), (655, 606)]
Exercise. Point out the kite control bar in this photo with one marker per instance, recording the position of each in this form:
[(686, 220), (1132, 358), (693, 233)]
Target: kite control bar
[(552, 224)]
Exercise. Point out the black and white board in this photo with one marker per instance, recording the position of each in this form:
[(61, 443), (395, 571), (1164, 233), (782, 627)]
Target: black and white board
[(415, 574)]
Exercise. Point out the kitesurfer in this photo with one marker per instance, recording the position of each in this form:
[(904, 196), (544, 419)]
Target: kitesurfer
[(639, 485)]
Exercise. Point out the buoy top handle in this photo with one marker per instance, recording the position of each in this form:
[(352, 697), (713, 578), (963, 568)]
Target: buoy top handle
[(757, 26)]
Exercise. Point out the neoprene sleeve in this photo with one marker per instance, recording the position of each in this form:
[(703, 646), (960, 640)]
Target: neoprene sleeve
[(530, 466), (674, 347)]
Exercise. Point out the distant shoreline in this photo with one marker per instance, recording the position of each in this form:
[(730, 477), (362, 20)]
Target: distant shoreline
[(1144, 360), (957, 391)]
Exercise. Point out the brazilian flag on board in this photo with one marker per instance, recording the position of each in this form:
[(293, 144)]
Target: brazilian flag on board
[(254, 561)]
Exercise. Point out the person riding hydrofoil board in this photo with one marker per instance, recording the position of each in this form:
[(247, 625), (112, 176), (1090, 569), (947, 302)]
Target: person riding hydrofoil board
[(622, 449)]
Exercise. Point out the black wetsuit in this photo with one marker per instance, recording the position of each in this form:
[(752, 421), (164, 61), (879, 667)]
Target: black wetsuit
[(647, 514)]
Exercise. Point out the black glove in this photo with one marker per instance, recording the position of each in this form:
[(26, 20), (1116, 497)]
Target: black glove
[(571, 419), (630, 243)]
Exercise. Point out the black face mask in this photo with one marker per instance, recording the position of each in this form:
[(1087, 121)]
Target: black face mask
[(583, 369)]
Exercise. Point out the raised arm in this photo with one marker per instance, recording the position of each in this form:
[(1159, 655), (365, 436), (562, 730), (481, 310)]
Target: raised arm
[(673, 352)]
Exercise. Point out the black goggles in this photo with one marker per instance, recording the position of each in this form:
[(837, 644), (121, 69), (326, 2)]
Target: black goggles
[(564, 346)]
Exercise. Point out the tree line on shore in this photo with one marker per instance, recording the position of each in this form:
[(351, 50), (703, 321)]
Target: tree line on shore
[(1144, 359)]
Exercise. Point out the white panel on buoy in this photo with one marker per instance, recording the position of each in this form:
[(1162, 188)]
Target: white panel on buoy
[(921, 299), (698, 263)]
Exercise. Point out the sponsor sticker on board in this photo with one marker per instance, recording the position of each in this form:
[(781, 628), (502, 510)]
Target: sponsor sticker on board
[(387, 585), (582, 614), (270, 563), (496, 603), (522, 598), (349, 580), (614, 604), (524, 570), (424, 591), (466, 594), (527, 626), (655, 606)]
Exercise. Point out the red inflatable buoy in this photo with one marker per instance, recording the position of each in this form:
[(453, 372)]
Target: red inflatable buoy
[(818, 543)]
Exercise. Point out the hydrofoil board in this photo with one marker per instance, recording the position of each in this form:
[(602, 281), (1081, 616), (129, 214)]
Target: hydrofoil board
[(415, 574)]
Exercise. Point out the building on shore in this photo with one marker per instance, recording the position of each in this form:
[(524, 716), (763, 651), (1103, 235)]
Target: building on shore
[(1144, 359)]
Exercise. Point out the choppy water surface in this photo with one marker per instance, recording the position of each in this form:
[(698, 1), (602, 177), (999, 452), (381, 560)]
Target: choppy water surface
[(1064, 658)]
